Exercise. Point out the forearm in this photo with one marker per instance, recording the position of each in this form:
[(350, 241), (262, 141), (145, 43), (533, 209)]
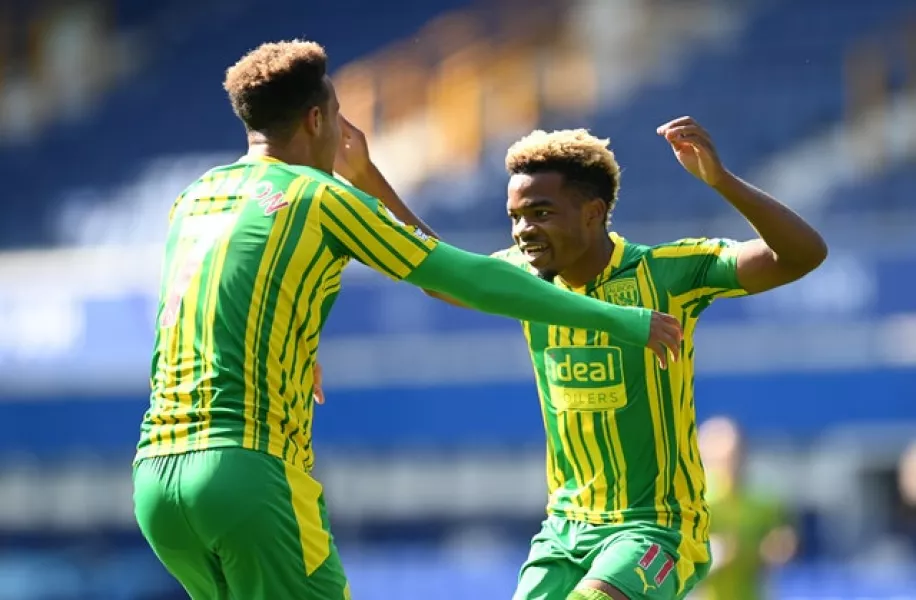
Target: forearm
[(374, 183), (493, 286), (789, 236), (444, 298)]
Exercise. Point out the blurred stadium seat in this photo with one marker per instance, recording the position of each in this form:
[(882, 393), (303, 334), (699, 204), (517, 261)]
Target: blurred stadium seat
[(431, 451)]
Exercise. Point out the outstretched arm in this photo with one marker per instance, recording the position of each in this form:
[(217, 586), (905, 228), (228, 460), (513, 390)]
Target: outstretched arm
[(494, 286), (360, 226), (788, 247)]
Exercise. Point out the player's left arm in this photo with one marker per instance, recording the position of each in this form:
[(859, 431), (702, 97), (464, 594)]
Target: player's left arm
[(354, 164), (788, 247), (373, 182)]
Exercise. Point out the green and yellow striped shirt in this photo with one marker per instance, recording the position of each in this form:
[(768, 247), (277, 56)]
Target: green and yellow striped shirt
[(253, 262), (621, 432)]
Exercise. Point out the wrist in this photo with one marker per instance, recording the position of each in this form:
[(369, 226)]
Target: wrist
[(725, 182), (365, 176), (631, 324)]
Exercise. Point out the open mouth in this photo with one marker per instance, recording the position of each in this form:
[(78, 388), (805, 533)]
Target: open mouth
[(534, 250)]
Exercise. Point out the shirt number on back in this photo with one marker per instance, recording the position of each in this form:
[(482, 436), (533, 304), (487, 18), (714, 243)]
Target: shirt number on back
[(206, 230)]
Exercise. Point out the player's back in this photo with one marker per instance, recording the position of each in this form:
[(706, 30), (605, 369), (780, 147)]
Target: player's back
[(248, 279)]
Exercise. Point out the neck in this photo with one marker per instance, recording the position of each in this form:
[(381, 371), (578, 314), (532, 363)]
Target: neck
[(260, 147), (591, 264)]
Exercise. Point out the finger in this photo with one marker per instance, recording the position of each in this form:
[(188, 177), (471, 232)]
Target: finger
[(692, 132), (695, 145), (680, 121), (661, 353), (318, 392), (670, 342), (675, 348), (349, 128), (319, 376), (686, 143)]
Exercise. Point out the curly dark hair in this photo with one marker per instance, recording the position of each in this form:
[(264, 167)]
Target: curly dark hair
[(274, 85)]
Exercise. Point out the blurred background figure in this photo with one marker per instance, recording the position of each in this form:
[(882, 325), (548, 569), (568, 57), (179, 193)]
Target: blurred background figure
[(430, 443), (750, 533), (897, 543), (907, 482)]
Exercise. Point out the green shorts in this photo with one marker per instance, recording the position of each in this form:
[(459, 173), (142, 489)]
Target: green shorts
[(235, 523), (639, 560)]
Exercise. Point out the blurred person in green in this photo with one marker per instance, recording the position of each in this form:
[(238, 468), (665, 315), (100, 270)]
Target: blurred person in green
[(750, 532)]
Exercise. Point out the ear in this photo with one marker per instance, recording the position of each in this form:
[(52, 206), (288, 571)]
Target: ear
[(314, 120), (595, 211)]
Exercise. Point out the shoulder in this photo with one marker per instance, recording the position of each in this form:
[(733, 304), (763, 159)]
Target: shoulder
[(339, 192), (511, 255), (692, 247), (280, 185), (312, 185), (633, 252), (298, 178), (204, 186), (341, 188)]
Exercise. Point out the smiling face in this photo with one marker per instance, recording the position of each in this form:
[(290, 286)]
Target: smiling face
[(552, 223), (562, 189)]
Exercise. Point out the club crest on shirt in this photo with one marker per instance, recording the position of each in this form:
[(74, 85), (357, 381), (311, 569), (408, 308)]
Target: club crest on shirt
[(624, 292)]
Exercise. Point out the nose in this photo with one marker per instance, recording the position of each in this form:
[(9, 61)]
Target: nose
[(522, 227)]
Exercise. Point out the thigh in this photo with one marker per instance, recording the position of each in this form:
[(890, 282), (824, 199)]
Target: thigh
[(547, 580), (692, 577), (199, 573), (549, 573), (268, 524), (160, 515), (638, 566)]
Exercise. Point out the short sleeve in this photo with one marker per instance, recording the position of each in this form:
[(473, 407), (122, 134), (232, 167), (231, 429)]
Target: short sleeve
[(365, 229), (700, 264)]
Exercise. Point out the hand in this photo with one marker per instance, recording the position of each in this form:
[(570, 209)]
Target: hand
[(694, 149), (352, 160), (318, 393), (665, 335)]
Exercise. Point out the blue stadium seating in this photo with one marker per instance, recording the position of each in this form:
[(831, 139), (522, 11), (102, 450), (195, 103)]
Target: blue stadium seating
[(894, 190), (137, 121), (788, 65)]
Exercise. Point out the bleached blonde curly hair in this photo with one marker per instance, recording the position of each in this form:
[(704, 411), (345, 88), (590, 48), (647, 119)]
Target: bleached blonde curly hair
[(585, 161)]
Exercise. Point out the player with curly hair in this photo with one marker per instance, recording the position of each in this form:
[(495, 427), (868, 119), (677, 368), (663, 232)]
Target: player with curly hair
[(253, 262), (627, 517)]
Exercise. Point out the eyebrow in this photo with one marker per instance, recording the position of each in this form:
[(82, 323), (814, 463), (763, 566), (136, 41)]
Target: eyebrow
[(538, 203)]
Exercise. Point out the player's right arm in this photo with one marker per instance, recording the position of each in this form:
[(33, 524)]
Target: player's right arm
[(363, 227)]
